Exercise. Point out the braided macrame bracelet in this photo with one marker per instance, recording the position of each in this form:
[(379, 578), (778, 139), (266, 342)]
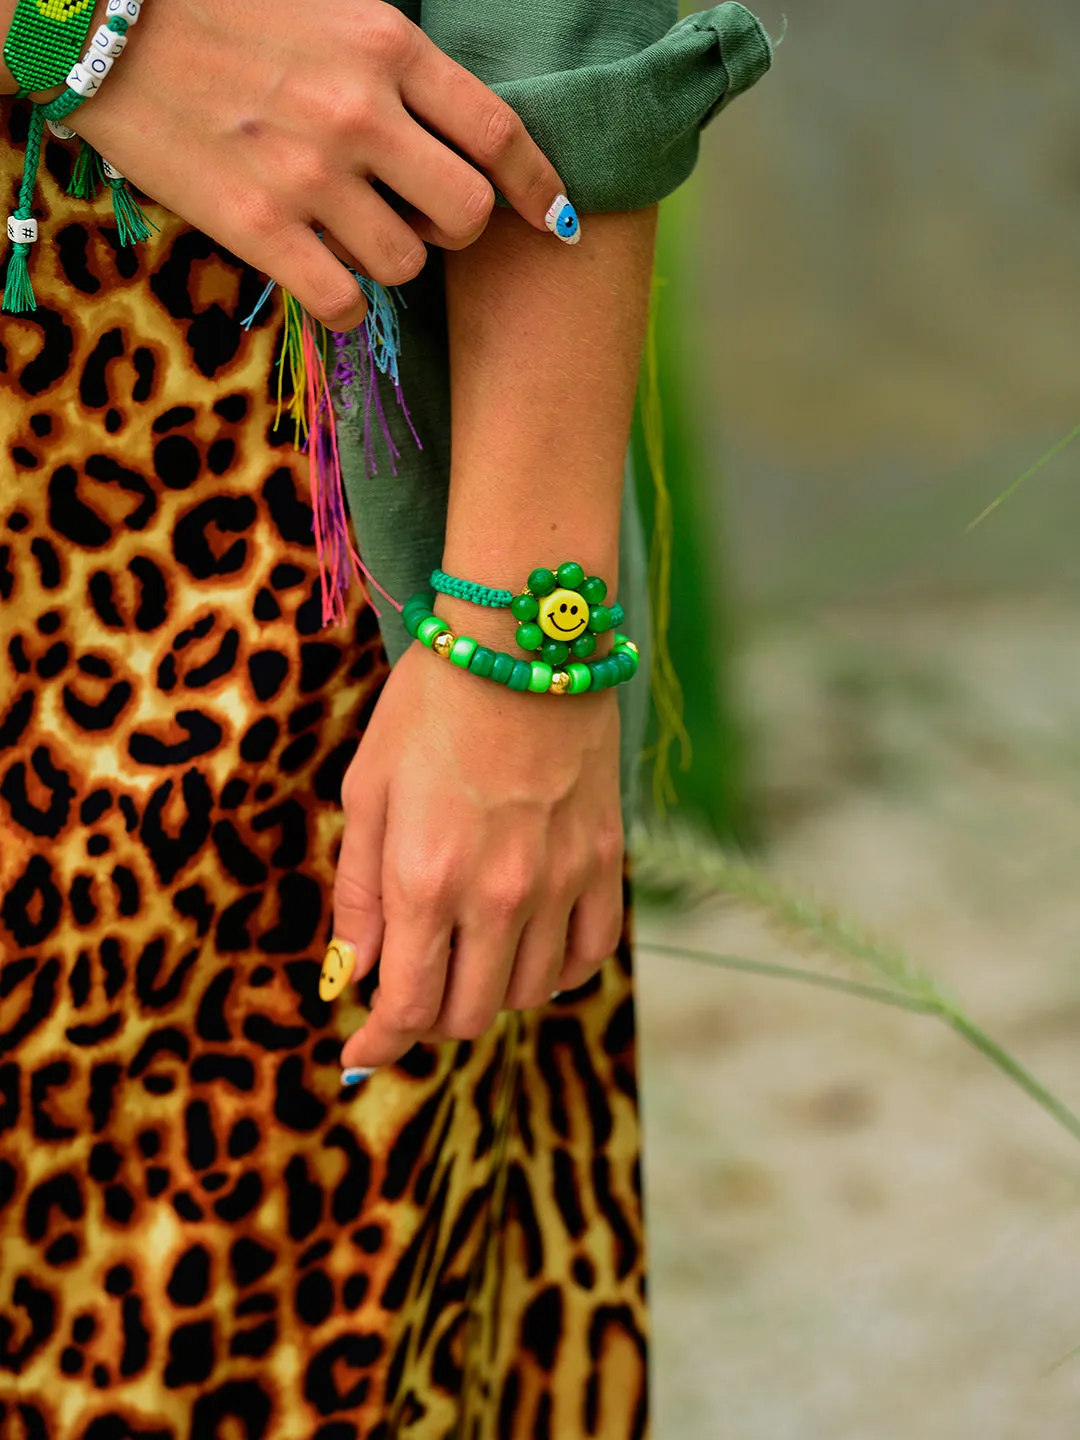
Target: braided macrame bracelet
[(83, 80), (572, 678)]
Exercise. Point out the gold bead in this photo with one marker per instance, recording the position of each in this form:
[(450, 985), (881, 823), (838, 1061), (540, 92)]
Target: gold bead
[(629, 645), (560, 682), (443, 643)]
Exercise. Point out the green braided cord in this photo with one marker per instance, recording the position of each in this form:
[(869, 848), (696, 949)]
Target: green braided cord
[(62, 106), (86, 174), (470, 590), (18, 290), (46, 40)]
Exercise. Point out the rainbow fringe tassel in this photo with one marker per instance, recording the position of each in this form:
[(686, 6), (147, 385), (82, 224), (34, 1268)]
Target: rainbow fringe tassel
[(317, 372)]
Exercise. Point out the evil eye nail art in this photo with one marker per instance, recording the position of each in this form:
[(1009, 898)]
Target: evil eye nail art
[(561, 219), (355, 1075)]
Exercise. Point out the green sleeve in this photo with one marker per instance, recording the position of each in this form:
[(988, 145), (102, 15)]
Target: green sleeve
[(613, 91)]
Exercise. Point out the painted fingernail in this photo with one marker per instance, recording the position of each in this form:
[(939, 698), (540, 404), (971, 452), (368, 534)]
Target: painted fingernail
[(562, 220), (555, 994), (338, 968), (355, 1075)]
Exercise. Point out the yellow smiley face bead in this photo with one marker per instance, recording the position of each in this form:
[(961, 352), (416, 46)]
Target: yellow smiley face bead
[(338, 968), (564, 614)]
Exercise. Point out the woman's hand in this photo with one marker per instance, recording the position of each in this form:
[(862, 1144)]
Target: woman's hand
[(263, 124), (485, 820)]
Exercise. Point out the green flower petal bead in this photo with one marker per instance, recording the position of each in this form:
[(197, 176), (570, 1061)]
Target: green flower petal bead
[(599, 618), (524, 607), (541, 581), (554, 652), (593, 590), (583, 646), (618, 614), (569, 575), (502, 667), (520, 675), (482, 661), (580, 677), (461, 652), (541, 675), (530, 636), (429, 628)]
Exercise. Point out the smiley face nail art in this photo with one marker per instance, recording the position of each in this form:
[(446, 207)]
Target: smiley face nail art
[(562, 220), (338, 968)]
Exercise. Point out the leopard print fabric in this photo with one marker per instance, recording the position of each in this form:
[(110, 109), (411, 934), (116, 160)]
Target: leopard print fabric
[(200, 1235)]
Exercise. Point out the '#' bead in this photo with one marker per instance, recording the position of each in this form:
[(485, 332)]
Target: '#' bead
[(60, 130), (23, 232), (111, 172), (461, 651), (540, 678), (520, 675), (107, 42)]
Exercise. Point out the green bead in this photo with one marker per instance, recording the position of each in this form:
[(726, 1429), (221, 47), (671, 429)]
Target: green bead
[(461, 652), (429, 628), (524, 607), (627, 665), (570, 575), (599, 618), (502, 667), (541, 581), (482, 661), (631, 655), (520, 675), (583, 646), (554, 652), (618, 614), (580, 677), (530, 636), (422, 597), (541, 675), (620, 639), (593, 590), (413, 611), (604, 673)]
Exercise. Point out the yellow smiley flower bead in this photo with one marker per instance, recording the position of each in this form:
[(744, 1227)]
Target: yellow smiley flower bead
[(563, 615)]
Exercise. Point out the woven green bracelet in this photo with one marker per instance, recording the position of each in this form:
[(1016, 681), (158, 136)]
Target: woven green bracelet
[(559, 612), (45, 41), (536, 675)]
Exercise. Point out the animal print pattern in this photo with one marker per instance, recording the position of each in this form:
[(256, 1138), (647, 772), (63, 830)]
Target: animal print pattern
[(200, 1235)]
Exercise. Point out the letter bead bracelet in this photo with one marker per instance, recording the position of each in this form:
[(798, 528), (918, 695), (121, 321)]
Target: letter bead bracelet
[(559, 613)]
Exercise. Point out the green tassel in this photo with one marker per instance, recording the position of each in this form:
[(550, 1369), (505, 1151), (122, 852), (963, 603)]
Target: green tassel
[(130, 220), (18, 291), (86, 174)]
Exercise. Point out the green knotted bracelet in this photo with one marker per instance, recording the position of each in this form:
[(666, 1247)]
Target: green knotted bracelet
[(573, 678), (559, 612)]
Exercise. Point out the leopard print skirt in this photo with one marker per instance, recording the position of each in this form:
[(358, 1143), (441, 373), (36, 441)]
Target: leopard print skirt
[(200, 1235)]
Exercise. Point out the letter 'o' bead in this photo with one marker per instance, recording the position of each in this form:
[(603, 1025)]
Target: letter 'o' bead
[(22, 232), (97, 64), (520, 675), (461, 652), (580, 677), (540, 678), (429, 628)]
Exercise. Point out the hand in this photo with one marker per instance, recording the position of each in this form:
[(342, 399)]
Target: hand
[(488, 818), (262, 124)]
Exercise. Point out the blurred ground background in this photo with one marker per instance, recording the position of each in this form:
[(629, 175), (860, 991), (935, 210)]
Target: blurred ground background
[(861, 1231)]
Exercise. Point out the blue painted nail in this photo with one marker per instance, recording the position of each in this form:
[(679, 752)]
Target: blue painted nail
[(355, 1075), (562, 220)]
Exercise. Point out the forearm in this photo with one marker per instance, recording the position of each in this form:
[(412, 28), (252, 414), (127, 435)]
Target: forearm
[(545, 344)]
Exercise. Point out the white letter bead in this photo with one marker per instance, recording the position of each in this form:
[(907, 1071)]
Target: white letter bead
[(60, 130), (126, 10), (98, 65), (107, 42), (23, 232), (82, 81), (111, 172)]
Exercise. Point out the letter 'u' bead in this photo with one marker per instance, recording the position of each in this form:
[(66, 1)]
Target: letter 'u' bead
[(107, 42), (124, 10), (23, 232)]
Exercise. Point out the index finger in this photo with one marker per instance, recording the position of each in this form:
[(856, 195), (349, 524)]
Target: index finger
[(450, 100), (412, 979)]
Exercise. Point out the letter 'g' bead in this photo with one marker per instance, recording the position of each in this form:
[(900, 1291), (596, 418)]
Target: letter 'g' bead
[(23, 232), (107, 42), (124, 10)]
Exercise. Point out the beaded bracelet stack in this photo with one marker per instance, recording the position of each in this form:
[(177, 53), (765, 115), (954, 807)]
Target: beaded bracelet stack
[(83, 80), (560, 613)]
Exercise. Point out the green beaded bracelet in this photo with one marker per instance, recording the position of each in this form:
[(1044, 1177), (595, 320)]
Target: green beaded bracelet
[(558, 610), (540, 676)]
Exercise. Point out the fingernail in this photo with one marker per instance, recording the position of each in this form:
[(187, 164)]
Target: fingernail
[(338, 968), (355, 1075), (555, 994), (562, 220)]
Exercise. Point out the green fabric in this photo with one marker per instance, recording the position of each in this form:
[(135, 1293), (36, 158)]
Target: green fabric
[(615, 94), (45, 40)]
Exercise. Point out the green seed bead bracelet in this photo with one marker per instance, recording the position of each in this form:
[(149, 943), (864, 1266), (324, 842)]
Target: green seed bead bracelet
[(559, 612), (567, 677)]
